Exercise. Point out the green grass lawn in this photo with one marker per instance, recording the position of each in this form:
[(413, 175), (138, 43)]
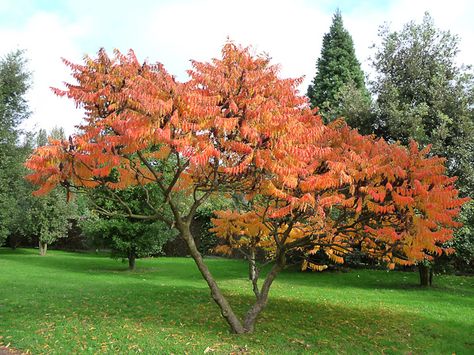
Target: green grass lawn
[(67, 302)]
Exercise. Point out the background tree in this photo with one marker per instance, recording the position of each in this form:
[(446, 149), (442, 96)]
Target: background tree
[(127, 238), (463, 243), (48, 218), (14, 83), (423, 94), (356, 107), (235, 126), (337, 70)]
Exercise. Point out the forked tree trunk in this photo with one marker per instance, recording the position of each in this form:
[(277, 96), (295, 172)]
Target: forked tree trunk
[(262, 297), (227, 312), (43, 247), (216, 293), (426, 275)]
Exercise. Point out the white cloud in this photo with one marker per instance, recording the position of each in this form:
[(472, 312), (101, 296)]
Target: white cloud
[(46, 38), (176, 31), (290, 32)]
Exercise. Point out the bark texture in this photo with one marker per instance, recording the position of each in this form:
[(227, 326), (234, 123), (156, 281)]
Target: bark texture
[(216, 293), (237, 326), (131, 261), (426, 275), (43, 247)]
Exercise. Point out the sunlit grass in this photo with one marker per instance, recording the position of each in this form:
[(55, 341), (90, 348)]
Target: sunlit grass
[(66, 303)]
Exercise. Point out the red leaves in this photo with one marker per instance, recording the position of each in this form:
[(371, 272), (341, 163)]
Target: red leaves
[(402, 201), (238, 124)]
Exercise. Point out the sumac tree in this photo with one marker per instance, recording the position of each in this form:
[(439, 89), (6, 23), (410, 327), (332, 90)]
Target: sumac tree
[(236, 126)]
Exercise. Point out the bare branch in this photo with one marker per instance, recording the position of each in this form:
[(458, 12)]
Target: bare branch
[(149, 167), (173, 182), (108, 213)]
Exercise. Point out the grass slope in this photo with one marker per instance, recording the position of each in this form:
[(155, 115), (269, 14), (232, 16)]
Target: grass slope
[(67, 303)]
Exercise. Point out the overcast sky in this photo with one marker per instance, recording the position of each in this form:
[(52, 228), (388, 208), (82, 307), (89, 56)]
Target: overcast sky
[(172, 32)]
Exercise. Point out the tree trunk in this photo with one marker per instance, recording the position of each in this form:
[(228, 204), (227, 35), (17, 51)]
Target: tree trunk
[(426, 275), (43, 247), (13, 241), (216, 293), (262, 297), (226, 310), (131, 261), (252, 265)]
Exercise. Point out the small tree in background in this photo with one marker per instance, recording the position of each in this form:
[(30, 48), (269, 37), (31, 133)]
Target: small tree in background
[(337, 71), (106, 226), (128, 239), (47, 219)]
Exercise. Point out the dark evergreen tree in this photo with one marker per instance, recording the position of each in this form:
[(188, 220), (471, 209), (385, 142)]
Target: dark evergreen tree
[(337, 71)]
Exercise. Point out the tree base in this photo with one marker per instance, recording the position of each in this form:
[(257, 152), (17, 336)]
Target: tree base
[(426, 275)]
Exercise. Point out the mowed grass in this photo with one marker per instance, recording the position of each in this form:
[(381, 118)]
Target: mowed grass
[(70, 302)]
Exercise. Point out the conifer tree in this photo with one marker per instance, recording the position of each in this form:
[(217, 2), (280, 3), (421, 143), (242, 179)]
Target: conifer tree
[(337, 70)]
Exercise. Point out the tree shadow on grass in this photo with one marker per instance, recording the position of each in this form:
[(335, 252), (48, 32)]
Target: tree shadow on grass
[(380, 280), (164, 271), (188, 313)]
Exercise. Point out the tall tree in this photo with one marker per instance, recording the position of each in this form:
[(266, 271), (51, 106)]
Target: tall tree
[(337, 70), (14, 83), (235, 126), (424, 94)]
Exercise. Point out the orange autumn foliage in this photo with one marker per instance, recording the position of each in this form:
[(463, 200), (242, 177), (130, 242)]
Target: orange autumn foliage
[(236, 126)]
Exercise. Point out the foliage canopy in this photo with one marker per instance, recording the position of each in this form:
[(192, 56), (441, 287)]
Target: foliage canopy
[(235, 126)]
